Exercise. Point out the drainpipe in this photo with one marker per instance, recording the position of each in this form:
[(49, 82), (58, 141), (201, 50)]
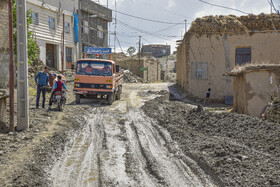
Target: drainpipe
[(62, 58)]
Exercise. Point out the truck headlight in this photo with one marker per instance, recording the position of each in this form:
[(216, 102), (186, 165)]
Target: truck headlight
[(77, 85), (92, 86), (109, 86)]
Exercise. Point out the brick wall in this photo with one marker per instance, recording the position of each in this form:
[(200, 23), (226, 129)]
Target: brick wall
[(4, 44)]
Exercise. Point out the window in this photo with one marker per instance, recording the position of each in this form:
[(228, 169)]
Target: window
[(99, 31), (200, 70), (51, 23), (35, 17), (67, 27), (242, 56), (85, 29), (69, 56)]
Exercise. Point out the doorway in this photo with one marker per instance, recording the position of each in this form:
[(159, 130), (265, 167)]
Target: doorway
[(51, 55)]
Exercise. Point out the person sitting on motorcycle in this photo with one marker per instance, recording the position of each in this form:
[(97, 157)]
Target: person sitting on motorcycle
[(59, 85)]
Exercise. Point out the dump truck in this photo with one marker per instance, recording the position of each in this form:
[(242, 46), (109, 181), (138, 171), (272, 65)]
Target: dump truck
[(98, 79)]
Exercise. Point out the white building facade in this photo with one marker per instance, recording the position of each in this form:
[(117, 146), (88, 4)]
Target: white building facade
[(48, 33)]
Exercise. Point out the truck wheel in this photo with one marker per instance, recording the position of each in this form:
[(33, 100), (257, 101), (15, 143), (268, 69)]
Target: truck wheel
[(111, 99), (78, 99), (118, 96)]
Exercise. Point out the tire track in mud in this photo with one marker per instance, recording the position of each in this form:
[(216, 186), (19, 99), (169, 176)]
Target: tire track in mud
[(151, 163), (123, 147)]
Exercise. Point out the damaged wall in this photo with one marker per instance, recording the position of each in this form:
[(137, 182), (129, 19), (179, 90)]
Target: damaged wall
[(253, 90), (4, 44), (132, 64), (218, 51)]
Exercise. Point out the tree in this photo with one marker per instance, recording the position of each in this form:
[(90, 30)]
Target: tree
[(32, 48), (130, 51)]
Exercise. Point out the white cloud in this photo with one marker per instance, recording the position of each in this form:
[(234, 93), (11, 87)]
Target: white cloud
[(171, 4)]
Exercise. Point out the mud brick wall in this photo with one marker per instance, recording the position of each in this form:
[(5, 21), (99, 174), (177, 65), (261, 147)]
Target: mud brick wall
[(4, 44), (154, 71), (132, 65)]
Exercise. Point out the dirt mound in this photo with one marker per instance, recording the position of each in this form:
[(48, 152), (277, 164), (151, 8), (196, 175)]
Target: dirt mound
[(234, 24), (234, 149)]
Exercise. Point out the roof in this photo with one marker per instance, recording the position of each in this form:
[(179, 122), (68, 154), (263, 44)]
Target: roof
[(92, 59), (235, 25), (239, 70)]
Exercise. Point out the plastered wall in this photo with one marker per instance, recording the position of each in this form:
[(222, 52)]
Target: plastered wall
[(219, 52)]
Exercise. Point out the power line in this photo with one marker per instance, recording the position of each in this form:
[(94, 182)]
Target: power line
[(146, 19), (147, 32), (220, 6), (165, 10)]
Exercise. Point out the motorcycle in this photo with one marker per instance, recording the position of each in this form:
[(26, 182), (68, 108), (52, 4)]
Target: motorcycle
[(59, 98)]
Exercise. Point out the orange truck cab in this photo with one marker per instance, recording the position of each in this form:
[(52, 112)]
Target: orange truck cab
[(98, 79)]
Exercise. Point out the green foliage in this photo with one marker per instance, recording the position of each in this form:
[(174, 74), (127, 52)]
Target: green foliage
[(32, 48), (130, 51)]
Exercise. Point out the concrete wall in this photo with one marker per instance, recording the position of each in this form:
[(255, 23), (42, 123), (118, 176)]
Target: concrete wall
[(4, 44), (44, 35), (256, 88), (218, 51)]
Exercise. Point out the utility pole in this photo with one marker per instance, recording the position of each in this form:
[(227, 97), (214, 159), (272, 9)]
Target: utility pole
[(22, 68), (139, 49), (271, 6), (62, 55), (80, 30), (11, 68), (115, 40), (186, 25)]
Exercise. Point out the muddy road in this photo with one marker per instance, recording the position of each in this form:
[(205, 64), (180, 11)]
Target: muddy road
[(121, 146)]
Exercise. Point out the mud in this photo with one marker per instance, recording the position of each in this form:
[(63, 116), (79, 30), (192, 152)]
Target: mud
[(235, 150), (27, 156)]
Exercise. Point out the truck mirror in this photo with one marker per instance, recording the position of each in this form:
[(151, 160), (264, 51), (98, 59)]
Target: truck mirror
[(117, 68), (72, 67)]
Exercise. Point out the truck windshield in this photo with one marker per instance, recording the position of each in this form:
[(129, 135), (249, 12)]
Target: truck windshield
[(97, 68)]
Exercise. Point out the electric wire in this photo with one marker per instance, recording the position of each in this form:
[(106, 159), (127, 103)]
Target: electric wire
[(147, 19), (220, 6)]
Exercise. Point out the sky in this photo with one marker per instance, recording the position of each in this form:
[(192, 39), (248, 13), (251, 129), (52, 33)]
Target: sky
[(172, 11)]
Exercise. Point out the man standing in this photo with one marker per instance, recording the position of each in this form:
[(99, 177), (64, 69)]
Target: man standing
[(42, 79)]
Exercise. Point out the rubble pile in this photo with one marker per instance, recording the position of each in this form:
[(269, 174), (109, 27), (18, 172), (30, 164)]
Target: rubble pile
[(272, 112), (234, 24), (129, 77)]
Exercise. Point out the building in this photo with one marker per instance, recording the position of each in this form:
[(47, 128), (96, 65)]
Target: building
[(48, 32), (157, 51), (215, 45), (149, 69), (4, 44), (94, 21), (86, 24), (253, 87)]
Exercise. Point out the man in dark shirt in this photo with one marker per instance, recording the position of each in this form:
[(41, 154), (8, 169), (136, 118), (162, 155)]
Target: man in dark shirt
[(42, 79)]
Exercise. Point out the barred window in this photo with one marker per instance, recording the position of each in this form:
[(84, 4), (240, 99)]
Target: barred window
[(67, 27), (85, 28), (69, 55), (51, 23), (99, 31), (35, 18)]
